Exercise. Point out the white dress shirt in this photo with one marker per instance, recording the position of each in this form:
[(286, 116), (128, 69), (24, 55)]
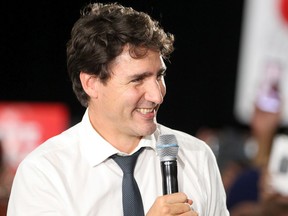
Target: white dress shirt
[(71, 175)]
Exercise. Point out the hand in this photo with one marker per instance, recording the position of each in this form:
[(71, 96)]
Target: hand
[(265, 122), (172, 204), (264, 125), (271, 201), (275, 204)]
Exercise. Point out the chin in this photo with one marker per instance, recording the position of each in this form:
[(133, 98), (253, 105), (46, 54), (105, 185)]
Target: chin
[(149, 131)]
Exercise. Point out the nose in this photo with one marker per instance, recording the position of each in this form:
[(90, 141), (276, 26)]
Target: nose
[(155, 91)]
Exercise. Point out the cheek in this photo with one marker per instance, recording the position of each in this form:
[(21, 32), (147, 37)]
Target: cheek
[(131, 96)]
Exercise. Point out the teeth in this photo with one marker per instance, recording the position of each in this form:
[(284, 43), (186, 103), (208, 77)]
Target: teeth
[(145, 111)]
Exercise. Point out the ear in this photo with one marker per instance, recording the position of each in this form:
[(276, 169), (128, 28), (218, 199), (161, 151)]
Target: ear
[(89, 84)]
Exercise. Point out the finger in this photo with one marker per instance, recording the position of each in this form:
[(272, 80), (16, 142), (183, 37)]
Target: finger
[(189, 201), (177, 198), (195, 213), (180, 208)]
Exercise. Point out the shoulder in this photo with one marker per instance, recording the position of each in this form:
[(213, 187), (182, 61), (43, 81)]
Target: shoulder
[(62, 143)]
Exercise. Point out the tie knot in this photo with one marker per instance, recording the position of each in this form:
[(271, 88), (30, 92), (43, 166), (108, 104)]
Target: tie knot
[(127, 163)]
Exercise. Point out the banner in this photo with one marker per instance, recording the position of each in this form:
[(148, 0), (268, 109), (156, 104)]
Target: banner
[(262, 78), (25, 125)]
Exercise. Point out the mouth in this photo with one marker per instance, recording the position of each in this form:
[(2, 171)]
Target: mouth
[(145, 111)]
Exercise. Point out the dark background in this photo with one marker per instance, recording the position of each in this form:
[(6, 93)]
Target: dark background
[(200, 79)]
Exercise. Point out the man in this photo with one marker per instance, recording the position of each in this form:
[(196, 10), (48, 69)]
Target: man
[(116, 64)]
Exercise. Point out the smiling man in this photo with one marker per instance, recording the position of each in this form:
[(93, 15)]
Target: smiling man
[(116, 62), (123, 109)]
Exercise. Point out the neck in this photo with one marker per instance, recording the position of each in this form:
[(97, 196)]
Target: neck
[(122, 141), (124, 144)]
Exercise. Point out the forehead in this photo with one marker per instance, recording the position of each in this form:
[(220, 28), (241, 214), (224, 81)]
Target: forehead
[(152, 61)]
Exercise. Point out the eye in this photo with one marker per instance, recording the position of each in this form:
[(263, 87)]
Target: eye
[(161, 75), (137, 80)]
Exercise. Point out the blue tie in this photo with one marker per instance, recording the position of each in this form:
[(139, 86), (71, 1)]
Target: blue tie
[(131, 197)]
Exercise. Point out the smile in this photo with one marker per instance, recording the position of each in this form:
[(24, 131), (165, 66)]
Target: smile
[(145, 110)]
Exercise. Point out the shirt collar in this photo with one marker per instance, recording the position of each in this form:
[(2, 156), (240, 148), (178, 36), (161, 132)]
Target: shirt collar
[(96, 149)]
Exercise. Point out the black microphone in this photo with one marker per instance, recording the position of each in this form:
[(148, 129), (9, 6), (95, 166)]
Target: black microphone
[(167, 150)]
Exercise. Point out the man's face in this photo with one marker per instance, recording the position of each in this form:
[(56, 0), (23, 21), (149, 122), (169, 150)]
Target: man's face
[(127, 104)]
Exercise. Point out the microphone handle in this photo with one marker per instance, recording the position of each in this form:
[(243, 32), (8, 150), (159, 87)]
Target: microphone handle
[(169, 177)]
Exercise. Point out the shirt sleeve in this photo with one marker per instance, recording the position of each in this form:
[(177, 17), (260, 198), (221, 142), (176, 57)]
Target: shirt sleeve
[(217, 204)]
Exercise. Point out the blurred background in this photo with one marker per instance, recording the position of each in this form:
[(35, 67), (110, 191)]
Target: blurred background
[(229, 56), (201, 77)]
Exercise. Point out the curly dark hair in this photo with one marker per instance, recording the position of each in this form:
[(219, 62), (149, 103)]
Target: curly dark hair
[(100, 35)]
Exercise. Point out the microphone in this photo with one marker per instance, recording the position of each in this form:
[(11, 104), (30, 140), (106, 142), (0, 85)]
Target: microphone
[(167, 150)]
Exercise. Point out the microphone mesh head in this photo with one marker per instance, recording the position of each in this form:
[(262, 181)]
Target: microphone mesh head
[(167, 147)]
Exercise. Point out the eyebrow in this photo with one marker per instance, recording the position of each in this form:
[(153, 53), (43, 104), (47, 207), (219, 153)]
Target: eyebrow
[(147, 74)]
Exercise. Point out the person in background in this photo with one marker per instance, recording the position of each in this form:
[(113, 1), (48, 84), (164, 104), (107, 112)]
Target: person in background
[(116, 61), (252, 193)]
